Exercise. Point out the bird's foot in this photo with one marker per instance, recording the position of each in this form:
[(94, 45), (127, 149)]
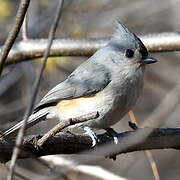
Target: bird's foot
[(133, 125), (113, 157), (112, 133), (92, 135)]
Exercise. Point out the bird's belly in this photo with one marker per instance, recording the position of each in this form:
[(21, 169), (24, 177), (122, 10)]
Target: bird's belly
[(104, 104), (111, 113)]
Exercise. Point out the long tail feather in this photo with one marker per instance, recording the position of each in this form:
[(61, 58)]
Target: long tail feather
[(33, 119)]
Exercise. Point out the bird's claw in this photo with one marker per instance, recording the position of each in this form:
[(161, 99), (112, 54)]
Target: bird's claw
[(112, 133), (92, 135), (133, 125)]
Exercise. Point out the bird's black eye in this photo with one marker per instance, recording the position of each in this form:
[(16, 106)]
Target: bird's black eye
[(129, 53)]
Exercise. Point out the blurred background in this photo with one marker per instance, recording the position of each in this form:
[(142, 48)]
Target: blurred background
[(92, 18)]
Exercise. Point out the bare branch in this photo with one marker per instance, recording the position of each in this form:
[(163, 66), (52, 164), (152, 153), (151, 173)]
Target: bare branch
[(28, 50), (14, 32), (64, 124), (65, 143), (153, 165)]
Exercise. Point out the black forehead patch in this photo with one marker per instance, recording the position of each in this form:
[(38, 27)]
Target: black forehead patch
[(142, 48)]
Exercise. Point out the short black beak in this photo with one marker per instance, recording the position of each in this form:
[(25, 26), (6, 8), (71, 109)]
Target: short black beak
[(149, 60)]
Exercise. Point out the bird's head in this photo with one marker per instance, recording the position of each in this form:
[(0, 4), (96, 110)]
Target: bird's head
[(130, 46)]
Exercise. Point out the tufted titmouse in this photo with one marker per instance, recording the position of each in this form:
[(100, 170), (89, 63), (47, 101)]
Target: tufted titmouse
[(108, 82)]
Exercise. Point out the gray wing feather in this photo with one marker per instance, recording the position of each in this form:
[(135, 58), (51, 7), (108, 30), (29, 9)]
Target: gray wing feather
[(87, 79)]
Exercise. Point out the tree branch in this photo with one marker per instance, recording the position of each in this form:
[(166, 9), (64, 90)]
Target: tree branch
[(30, 49), (14, 32), (66, 123), (65, 143)]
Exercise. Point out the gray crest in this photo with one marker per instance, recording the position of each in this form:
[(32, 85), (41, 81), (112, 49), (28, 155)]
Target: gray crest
[(125, 39)]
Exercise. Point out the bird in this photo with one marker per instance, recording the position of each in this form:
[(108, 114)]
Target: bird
[(109, 82)]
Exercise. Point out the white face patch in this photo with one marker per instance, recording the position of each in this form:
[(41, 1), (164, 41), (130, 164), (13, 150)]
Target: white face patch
[(137, 55), (132, 56)]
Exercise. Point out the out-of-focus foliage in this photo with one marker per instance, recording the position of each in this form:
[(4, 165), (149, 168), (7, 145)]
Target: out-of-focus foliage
[(5, 9), (54, 62)]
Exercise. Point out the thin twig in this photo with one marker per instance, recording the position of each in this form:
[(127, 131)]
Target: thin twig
[(153, 165), (25, 28), (148, 153), (19, 139), (64, 124), (14, 32), (31, 49), (163, 110)]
